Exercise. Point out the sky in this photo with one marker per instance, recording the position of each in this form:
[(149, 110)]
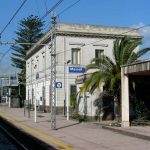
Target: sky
[(124, 13)]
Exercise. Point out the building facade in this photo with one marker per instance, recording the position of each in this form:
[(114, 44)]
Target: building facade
[(76, 45), (8, 93)]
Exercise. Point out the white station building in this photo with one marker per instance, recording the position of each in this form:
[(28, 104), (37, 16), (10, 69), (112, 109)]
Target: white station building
[(76, 45)]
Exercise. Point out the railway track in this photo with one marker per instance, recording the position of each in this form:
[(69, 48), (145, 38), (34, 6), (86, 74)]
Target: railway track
[(8, 141), (17, 139)]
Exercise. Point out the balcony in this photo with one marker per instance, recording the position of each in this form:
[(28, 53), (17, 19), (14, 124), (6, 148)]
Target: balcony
[(82, 78)]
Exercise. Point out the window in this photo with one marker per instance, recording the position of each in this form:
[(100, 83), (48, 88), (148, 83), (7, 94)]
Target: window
[(73, 93), (73, 90), (99, 53), (75, 56)]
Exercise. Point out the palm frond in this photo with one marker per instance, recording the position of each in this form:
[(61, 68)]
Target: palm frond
[(94, 82), (142, 52), (128, 50), (116, 50), (109, 71), (115, 80), (132, 58)]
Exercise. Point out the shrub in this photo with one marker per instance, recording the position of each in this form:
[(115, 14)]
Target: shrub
[(75, 115), (104, 104), (73, 101), (82, 119)]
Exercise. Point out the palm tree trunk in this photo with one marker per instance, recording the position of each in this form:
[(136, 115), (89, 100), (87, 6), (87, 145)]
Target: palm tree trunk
[(101, 111), (116, 108)]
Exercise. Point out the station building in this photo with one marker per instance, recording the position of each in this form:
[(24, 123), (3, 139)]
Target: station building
[(76, 45)]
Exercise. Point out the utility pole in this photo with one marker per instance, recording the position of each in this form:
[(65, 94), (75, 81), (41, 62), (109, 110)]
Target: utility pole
[(35, 100), (9, 91), (53, 74)]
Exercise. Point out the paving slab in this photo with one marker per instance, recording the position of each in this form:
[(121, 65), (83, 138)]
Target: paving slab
[(71, 134), (142, 132)]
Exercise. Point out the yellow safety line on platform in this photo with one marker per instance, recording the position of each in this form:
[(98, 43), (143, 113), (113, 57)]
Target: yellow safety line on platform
[(27, 128)]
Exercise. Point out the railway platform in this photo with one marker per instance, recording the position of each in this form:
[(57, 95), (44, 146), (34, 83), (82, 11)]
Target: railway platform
[(71, 135)]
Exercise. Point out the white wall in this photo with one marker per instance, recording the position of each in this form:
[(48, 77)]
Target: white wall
[(64, 44)]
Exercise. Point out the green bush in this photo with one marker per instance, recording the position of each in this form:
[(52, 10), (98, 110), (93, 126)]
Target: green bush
[(75, 115), (73, 101), (141, 109), (82, 119)]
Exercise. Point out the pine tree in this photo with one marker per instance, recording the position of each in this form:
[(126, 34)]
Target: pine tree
[(29, 31)]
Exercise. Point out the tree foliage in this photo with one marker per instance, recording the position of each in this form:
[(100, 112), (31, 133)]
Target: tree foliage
[(30, 29), (108, 70)]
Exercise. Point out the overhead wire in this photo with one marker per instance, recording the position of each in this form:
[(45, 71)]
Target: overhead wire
[(120, 34), (70, 6), (77, 47), (51, 9), (95, 41), (13, 17), (45, 15), (64, 10), (47, 12), (67, 8), (103, 39)]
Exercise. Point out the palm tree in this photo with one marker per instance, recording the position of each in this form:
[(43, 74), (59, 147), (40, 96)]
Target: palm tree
[(109, 71)]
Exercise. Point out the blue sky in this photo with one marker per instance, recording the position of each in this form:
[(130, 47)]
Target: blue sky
[(128, 13)]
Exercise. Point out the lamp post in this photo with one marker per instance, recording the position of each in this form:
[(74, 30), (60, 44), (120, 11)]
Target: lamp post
[(9, 90), (35, 111), (67, 89), (1, 89)]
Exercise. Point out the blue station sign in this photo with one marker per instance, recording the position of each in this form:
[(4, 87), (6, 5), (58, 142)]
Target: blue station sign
[(76, 69), (58, 84)]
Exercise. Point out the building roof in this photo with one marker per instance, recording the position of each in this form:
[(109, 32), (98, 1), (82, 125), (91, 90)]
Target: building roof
[(84, 30), (137, 68)]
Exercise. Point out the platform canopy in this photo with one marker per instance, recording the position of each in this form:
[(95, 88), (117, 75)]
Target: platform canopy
[(137, 68)]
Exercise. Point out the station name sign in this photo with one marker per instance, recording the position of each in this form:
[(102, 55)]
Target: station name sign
[(76, 69), (58, 84)]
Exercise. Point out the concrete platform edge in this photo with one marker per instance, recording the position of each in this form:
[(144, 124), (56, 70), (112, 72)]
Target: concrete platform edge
[(127, 133), (41, 143), (9, 119)]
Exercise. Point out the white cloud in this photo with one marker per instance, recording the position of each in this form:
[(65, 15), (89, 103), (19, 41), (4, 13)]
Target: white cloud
[(145, 32)]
